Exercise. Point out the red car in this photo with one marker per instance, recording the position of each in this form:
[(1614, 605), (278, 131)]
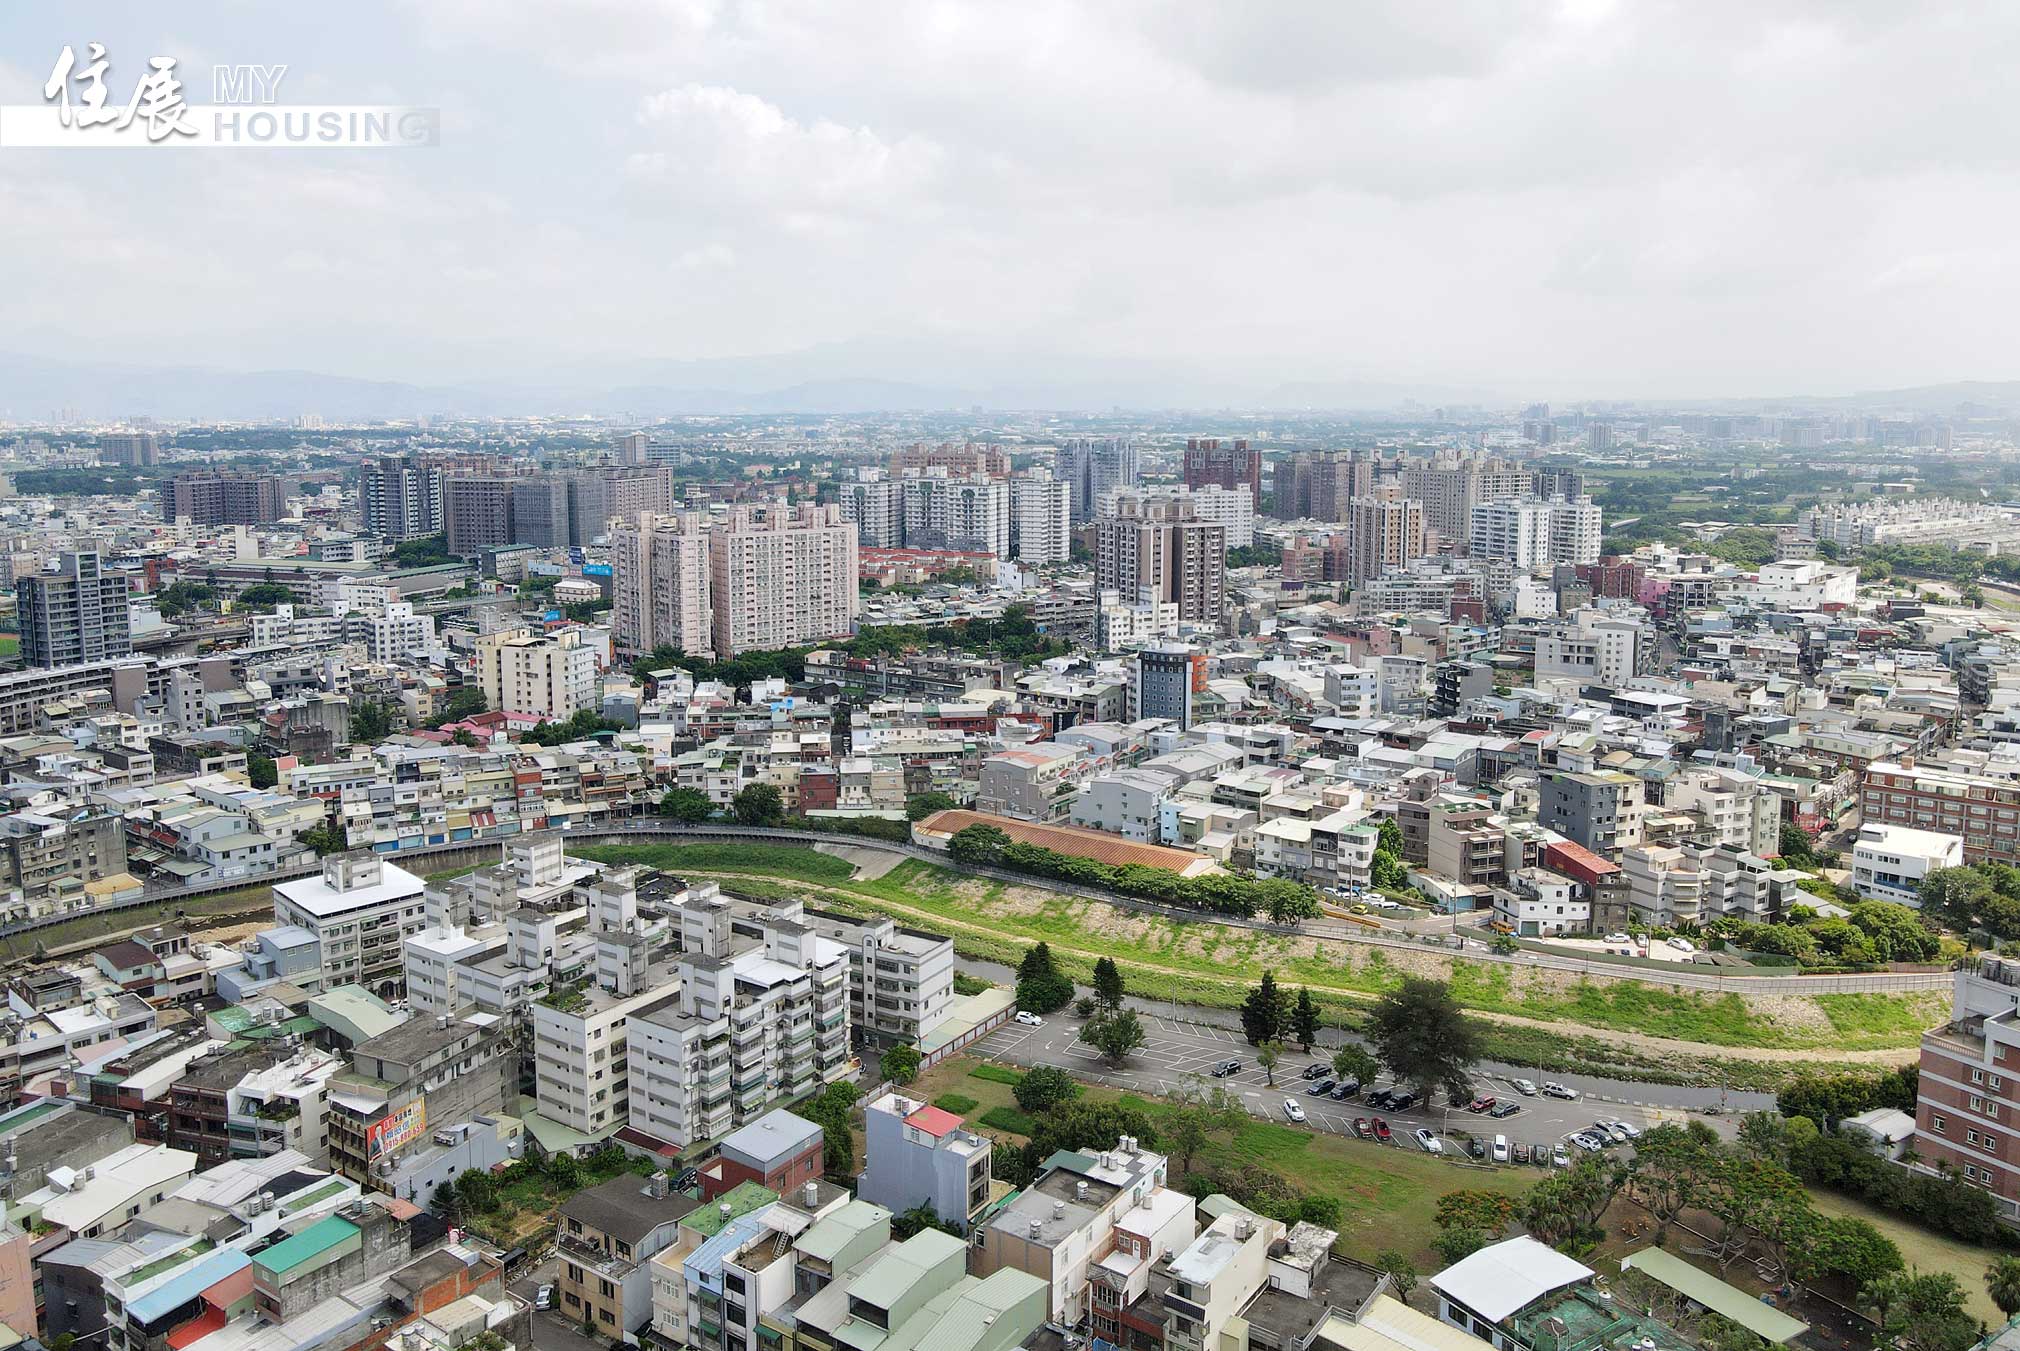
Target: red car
[(1480, 1104), (1362, 1128), (1381, 1130)]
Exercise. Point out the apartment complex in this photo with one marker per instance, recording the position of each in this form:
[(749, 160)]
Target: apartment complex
[(781, 576), (1318, 485), (1982, 811), (360, 908), (921, 1155), (551, 676), (223, 497), (608, 1236), (137, 449), (1231, 464), (75, 615), (1092, 468), (400, 497), (1041, 519), (660, 594), (477, 512), (1232, 509), (1382, 533), (1967, 1107), (1159, 551)]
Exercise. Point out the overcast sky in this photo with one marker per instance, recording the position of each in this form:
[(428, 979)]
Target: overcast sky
[(1552, 200)]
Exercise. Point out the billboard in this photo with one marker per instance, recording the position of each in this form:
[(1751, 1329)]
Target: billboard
[(397, 1130)]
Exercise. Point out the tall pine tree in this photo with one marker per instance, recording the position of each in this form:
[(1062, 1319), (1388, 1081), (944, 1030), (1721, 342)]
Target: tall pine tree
[(1305, 1020), (1108, 982), (1263, 1013)]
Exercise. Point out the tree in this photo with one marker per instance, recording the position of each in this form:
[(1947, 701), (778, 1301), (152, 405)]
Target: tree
[(1955, 896), (900, 1065), (1041, 986), (1672, 1165), (1267, 1056), (1401, 1271), (1083, 1125), (757, 804), (1850, 1249), (1043, 1087), (1115, 1034), (1456, 1245), (1489, 1212), (371, 721), (463, 703), (2002, 1283), (1389, 837), (464, 737), (1199, 1112), (831, 1109), (1567, 1207), (477, 1192), (264, 596), (261, 772), (978, 846), (1263, 1014), (919, 806), (1418, 1031), (1921, 1311), (689, 806), (918, 1220), (1108, 982), (1352, 1062), (1305, 1020), (327, 838)]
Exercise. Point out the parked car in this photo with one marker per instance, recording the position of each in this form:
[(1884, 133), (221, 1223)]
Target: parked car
[(1402, 1102), (1476, 1149), (1292, 1110), (1380, 1097), (1683, 945), (1503, 1110), (1526, 1087), (1559, 1159), (689, 1177), (1321, 1088), (1500, 1149), (1480, 1104), (1633, 1131), (1225, 1068), (1311, 1071), (544, 1297), (1346, 1088), (1381, 1130), (1585, 1141), (1553, 1089), (1430, 1143), (1617, 1131), (1618, 938), (1363, 1129), (1029, 1019)]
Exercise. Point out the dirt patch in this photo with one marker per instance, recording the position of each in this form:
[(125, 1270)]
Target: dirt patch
[(870, 864)]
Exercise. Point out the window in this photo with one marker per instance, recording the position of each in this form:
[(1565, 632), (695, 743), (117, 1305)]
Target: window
[(1937, 1124)]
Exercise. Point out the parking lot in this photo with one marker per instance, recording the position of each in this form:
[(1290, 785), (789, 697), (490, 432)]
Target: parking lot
[(1178, 1052)]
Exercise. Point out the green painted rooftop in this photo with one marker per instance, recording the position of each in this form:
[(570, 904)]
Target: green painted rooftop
[(312, 1242)]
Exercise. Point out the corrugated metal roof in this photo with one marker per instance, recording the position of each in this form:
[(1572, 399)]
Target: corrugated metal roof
[(313, 1241), (187, 1284)]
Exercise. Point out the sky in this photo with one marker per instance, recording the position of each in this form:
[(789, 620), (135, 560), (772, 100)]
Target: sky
[(1571, 200)]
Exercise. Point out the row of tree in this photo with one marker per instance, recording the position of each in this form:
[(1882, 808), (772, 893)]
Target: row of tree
[(1417, 1030), (1978, 897), (1278, 899)]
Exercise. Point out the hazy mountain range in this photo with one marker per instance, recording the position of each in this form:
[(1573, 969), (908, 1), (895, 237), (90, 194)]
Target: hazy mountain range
[(843, 379)]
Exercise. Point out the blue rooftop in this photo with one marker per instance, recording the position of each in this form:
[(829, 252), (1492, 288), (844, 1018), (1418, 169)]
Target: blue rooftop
[(187, 1284), (705, 1262)]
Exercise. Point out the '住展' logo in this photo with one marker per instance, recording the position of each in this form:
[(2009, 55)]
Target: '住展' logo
[(80, 107)]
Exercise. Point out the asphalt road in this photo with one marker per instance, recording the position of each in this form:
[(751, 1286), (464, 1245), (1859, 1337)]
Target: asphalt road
[(552, 1331), (1177, 1052)]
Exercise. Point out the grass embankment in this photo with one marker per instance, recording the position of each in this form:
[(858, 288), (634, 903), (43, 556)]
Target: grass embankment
[(1213, 965), (1923, 1249), (92, 928), (1388, 1194)]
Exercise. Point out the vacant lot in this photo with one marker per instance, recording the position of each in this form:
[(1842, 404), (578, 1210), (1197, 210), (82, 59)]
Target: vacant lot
[(1923, 1249)]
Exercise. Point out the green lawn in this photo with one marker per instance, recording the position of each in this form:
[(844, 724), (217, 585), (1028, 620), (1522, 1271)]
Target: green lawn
[(1203, 964), (1924, 1249), (10, 645)]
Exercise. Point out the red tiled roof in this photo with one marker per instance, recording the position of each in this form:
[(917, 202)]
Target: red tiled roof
[(935, 1121), (1097, 845)]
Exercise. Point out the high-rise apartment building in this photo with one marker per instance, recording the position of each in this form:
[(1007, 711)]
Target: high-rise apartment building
[(1093, 468), (540, 511), (401, 497), (1159, 550), (1574, 530), (660, 586), (967, 460), (631, 448), (1319, 484), (781, 576), (596, 497), (1450, 487), (1382, 533), (76, 614), (1230, 508), (1041, 518), (1230, 464), (1516, 529), (875, 505), (223, 497), (551, 676), (968, 515), (1557, 481), (477, 512), (129, 448), (1167, 677)]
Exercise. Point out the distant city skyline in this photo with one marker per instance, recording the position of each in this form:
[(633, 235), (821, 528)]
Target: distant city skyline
[(1130, 204)]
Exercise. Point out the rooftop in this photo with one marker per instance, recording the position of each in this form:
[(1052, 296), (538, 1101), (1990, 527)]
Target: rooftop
[(624, 1209)]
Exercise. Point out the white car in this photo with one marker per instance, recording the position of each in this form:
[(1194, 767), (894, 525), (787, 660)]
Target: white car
[(1683, 945), (1618, 1130), (1618, 938), (1029, 1019), (1500, 1149), (1526, 1087), (1553, 1089), (1633, 1131), (1293, 1110), (1559, 1159), (1431, 1143)]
